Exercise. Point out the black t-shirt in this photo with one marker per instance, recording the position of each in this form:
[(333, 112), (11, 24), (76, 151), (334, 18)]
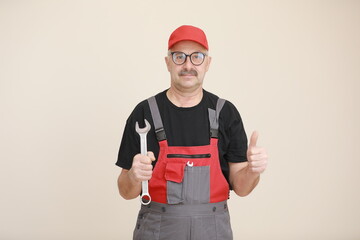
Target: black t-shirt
[(186, 127)]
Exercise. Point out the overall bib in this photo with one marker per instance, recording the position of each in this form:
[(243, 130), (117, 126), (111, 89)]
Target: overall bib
[(188, 189)]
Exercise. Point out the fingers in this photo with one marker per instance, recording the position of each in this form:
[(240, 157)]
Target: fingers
[(258, 157), (258, 162), (141, 167), (151, 156), (143, 159), (258, 170)]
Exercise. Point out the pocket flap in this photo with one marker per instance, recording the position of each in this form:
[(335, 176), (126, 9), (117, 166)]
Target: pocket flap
[(174, 172)]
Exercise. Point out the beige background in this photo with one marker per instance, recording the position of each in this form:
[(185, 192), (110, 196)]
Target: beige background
[(72, 71)]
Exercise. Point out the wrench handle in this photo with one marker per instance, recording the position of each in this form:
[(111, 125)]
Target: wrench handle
[(145, 196), (143, 145)]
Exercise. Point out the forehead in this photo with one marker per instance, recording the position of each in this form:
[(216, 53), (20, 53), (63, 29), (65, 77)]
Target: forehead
[(188, 47)]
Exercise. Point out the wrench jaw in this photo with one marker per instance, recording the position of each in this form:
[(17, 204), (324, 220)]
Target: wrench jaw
[(146, 129)]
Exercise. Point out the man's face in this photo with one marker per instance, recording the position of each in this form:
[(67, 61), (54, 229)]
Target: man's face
[(187, 77)]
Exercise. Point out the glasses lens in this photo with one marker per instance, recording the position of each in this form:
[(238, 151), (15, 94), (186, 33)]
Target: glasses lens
[(179, 57), (197, 58)]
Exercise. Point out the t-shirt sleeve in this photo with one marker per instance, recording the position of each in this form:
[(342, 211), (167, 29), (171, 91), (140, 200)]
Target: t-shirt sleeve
[(128, 146), (130, 142), (235, 139)]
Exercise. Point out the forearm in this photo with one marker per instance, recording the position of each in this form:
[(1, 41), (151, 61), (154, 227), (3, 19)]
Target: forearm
[(244, 181), (245, 176), (128, 187)]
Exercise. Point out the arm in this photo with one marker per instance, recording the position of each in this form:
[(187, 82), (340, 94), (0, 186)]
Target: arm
[(242, 179), (245, 176), (129, 181), (129, 188)]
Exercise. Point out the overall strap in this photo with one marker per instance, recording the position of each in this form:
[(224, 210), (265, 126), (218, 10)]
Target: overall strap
[(214, 118), (158, 124)]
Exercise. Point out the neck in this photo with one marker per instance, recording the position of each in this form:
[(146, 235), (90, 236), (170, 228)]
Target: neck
[(184, 99)]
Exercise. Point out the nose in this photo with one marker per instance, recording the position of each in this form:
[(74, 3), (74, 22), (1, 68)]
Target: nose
[(188, 64)]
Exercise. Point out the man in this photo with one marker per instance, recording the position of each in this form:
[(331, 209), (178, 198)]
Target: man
[(198, 151)]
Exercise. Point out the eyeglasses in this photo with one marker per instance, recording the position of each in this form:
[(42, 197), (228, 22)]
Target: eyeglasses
[(196, 58)]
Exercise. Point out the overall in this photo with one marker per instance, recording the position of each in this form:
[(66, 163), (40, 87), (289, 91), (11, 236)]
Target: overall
[(188, 189)]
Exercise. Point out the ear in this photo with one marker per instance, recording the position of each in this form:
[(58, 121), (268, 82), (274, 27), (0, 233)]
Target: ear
[(167, 59), (208, 63)]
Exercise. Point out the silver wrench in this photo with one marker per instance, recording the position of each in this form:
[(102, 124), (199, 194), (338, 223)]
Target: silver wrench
[(143, 146)]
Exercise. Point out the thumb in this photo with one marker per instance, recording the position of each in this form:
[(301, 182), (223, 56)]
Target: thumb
[(151, 156), (253, 139)]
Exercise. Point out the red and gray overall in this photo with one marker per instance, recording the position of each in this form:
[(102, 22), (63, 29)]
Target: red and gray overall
[(188, 189)]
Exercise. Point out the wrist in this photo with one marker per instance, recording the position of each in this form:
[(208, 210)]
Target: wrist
[(251, 174), (133, 179)]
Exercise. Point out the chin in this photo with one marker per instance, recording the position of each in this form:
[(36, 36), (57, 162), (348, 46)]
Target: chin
[(190, 88)]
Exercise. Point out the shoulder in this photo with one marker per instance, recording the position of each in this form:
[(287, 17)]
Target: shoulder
[(228, 109), (144, 104), (142, 110)]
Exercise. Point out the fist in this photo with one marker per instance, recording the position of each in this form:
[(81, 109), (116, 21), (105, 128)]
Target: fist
[(141, 169), (257, 156)]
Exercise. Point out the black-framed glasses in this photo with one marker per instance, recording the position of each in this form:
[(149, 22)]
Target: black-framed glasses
[(196, 58)]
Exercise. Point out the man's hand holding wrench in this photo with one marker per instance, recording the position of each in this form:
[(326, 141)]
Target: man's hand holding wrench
[(142, 168)]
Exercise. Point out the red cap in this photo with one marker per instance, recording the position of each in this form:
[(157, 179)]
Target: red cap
[(188, 33)]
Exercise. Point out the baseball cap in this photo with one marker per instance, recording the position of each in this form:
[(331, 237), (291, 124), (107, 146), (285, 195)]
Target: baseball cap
[(188, 33)]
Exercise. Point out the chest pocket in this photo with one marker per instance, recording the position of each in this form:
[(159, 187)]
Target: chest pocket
[(186, 182)]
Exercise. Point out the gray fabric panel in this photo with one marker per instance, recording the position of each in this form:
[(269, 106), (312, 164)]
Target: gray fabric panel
[(194, 189), (147, 226), (223, 226), (197, 185), (212, 119), (219, 106), (186, 210), (155, 113), (174, 192), (214, 114), (211, 227), (175, 228), (159, 221), (203, 227)]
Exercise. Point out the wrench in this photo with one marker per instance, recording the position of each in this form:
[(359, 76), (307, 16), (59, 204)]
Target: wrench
[(145, 198)]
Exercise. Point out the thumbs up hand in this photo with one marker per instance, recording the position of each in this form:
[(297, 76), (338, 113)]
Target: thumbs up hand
[(257, 156)]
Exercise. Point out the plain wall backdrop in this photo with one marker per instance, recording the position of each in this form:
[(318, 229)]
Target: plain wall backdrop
[(72, 71)]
